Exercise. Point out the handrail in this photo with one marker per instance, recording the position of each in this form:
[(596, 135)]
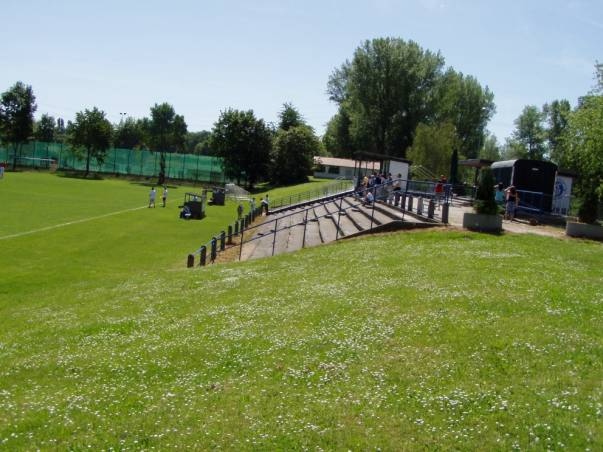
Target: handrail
[(327, 190), (383, 193)]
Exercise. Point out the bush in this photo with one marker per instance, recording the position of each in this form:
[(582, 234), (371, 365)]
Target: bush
[(588, 209), (484, 199)]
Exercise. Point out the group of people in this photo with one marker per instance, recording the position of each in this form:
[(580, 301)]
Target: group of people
[(509, 197), (264, 202), (153, 195), (378, 185)]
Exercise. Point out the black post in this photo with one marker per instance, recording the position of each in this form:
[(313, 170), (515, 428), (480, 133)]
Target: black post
[(430, 208), (230, 234), (410, 203), (214, 249), (420, 206), (274, 238), (305, 225), (222, 241), (445, 213), (203, 256), (236, 231), (338, 218), (190, 261), (403, 202)]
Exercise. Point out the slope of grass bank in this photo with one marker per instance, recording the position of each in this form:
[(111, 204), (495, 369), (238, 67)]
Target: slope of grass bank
[(404, 341)]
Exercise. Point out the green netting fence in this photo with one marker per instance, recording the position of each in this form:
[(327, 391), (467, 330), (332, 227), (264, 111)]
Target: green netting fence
[(132, 162)]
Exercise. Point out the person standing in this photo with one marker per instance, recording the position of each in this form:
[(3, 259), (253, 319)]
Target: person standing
[(512, 202), (152, 195), (499, 194), (164, 195)]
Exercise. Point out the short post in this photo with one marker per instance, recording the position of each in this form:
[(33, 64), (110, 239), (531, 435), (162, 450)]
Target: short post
[(420, 206), (222, 241), (430, 208), (445, 207), (242, 225), (403, 202), (203, 256), (214, 249), (236, 231), (410, 203), (190, 261), (230, 234)]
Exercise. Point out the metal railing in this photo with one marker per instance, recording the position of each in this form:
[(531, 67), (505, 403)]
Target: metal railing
[(328, 190)]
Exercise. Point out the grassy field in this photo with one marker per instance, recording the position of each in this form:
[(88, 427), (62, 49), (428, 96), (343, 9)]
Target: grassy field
[(427, 340)]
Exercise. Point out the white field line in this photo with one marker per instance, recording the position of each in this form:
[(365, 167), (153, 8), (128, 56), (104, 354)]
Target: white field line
[(83, 220)]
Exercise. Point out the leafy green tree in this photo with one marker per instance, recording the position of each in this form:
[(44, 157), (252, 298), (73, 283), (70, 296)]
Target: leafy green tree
[(490, 150), (387, 90), (294, 150), (289, 117), (244, 143), (45, 129), (17, 107), (129, 134), (584, 141), (529, 135), (556, 115), (91, 132), (166, 133), (462, 101), (60, 130), (433, 146), (337, 139), (199, 142)]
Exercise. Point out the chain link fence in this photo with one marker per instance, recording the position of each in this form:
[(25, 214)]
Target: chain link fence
[(131, 162)]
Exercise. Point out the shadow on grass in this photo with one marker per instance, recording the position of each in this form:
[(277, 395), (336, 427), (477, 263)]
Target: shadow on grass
[(79, 175)]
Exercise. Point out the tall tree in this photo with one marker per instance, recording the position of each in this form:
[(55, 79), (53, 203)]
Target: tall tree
[(45, 128), (198, 142), (17, 107), (60, 130), (490, 150), (337, 139), (289, 117), (244, 143), (294, 150), (529, 133), (433, 146), (462, 101), (556, 115), (91, 132), (584, 141), (387, 90), (129, 134), (166, 133)]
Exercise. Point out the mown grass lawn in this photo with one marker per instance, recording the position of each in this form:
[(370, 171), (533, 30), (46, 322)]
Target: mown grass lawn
[(428, 340)]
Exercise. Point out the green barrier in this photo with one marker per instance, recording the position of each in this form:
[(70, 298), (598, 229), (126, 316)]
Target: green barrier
[(36, 154)]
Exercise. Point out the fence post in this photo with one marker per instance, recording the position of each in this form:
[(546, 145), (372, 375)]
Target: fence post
[(236, 229), (242, 225), (190, 261), (203, 256), (274, 238), (230, 234), (222, 241), (410, 203), (445, 213), (214, 249), (338, 218), (430, 208), (305, 225), (403, 202), (420, 206)]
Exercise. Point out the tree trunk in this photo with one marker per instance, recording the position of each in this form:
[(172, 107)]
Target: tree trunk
[(87, 163), (17, 146), (161, 178)]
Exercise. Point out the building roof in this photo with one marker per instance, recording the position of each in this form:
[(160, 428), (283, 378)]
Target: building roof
[(345, 163)]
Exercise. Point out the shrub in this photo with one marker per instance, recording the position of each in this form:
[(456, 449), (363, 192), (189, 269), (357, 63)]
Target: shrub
[(588, 209), (484, 198)]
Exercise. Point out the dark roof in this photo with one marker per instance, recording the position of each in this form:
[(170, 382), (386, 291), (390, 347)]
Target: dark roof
[(476, 163)]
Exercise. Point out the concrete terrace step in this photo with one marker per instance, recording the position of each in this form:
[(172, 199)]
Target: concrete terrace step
[(322, 222)]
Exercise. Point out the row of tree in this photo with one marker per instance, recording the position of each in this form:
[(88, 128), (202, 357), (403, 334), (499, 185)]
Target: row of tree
[(251, 149)]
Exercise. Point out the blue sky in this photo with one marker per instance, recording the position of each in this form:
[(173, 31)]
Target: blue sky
[(203, 57)]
